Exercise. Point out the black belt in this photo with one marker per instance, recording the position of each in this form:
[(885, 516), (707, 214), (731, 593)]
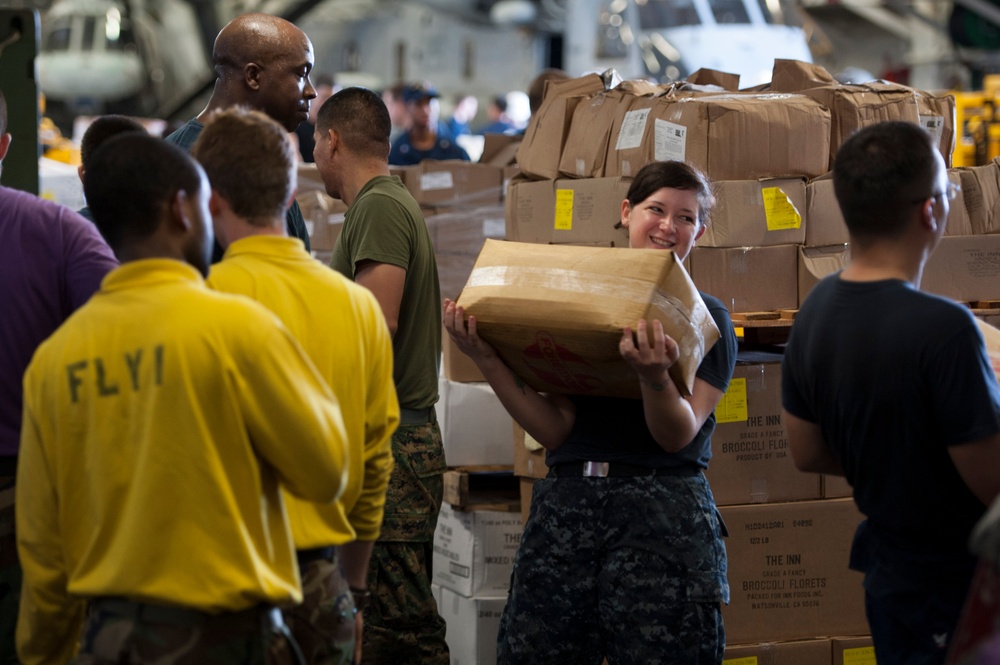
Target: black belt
[(417, 416), (316, 554), (618, 470), (251, 619)]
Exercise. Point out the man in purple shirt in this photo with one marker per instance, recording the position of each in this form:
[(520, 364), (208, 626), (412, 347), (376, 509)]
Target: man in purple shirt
[(51, 261)]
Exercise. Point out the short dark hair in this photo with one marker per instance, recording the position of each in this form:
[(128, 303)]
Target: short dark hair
[(131, 178), (879, 172), (361, 118), (676, 175), (250, 162), (102, 129)]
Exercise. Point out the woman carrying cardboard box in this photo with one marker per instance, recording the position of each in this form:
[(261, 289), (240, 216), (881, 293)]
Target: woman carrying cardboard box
[(622, 554)]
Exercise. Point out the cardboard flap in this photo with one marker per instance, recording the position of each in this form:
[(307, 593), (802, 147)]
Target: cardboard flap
[(639, 88), (724, 80), (795, 75)]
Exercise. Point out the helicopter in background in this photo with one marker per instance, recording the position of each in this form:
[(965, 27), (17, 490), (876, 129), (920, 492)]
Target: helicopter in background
[(116, 56)]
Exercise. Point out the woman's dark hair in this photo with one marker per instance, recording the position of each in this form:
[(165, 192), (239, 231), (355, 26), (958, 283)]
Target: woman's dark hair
[(676, 175)]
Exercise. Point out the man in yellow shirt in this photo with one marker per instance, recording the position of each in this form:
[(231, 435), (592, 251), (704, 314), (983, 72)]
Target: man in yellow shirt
[(251, 165), (160, 423)]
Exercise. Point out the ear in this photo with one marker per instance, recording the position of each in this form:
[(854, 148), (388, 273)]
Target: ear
[(79, 172), (926, 212), (216, 204), (626, 210), (4, 144), (251, 75), (700, 232), (179, 218)]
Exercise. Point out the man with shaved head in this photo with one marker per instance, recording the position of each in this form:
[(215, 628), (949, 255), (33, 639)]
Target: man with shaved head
[(261, 62)]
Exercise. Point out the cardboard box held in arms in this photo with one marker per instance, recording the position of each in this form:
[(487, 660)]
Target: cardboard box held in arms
[(555, 313)]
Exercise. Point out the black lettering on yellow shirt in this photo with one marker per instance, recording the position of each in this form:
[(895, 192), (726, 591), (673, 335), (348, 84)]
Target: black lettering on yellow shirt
[(102, 375)]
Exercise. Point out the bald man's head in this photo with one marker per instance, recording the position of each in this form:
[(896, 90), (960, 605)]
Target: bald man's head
[(264, 62)]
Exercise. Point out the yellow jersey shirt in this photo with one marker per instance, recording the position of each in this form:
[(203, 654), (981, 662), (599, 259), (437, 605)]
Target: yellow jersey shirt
[(160, 423), (342, 329)]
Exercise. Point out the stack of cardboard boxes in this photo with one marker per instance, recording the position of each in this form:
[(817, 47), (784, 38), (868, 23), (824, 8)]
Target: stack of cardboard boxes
[(777, 229)]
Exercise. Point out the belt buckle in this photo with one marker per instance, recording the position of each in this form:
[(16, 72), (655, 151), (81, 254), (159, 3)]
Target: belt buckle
[(595, 469)]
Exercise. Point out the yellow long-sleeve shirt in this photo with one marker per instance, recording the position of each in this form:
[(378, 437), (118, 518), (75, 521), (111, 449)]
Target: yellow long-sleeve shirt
[(160, 422), (341, 327)]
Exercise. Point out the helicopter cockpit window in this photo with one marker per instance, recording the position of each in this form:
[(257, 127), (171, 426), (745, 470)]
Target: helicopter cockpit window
[(59, 32), (729, 11), (656, 14)]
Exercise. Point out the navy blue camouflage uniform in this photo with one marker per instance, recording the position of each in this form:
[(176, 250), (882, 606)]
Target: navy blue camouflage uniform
[(631, 568)]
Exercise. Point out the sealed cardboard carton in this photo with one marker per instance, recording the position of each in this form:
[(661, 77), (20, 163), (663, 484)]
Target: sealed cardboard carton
[(836, 487), (742, 136), (853, 650), (826, 223), (937, 115), (456, 366), (748, 279), (455, 183), (806, 652), (964, 268), (788, 573), (981, 196), (474, 550), (815, 263), (458, 235), (567, 211), (750, 457), (474, 425), (473, 624), (540, 151), (556, 313), (757, 213)]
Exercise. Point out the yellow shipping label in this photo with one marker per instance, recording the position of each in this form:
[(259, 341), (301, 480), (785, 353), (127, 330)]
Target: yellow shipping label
[(564, 209), (859, 656), (779, 211), (733, 407), (749, 660)]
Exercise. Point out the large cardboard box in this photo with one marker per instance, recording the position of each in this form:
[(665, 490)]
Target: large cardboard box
[(964, 268), (742, 136), (474, 425), (455, 365), (586, 143), (567, 211), (788, 573), (825, 224), (853, 650), (806, 652), (540, 151), (981, 196), (748, 279), (836, 487), (454, 183), (937, 115), (751, 462), (474, 550), (473, 624), (815, 263), (852, 106), (757, 213), (556, 313), (458, 236)]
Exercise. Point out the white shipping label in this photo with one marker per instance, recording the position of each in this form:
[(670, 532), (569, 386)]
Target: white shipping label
[(437, 180), (633, 127), (669, 141), (494, 228), (933, 124)]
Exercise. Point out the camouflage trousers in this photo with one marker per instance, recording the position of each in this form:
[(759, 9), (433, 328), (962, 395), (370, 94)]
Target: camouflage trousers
[(628, 569), (10, 573), (402, 624), (117, 632), (323, 624)]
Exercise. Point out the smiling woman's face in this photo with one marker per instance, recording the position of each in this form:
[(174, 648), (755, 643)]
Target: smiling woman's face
[(667, 219)]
